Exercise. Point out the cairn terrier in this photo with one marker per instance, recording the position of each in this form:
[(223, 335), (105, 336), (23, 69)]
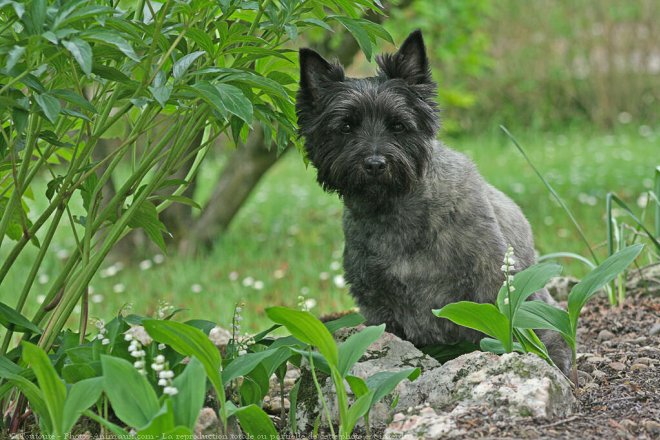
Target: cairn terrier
[(422, 227)]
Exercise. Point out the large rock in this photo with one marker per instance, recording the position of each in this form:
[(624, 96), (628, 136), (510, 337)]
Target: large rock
[(503, 387)]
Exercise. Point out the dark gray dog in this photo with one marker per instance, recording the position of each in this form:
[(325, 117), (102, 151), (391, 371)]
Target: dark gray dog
[(422, 227)]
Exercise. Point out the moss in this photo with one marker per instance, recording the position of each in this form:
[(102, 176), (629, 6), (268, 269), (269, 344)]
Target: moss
[(307, 396)]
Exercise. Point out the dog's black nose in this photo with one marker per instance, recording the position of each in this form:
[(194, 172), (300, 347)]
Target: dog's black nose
[(374, 165)]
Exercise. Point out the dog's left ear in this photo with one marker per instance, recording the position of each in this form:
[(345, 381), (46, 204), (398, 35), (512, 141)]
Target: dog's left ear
[(410, 63)]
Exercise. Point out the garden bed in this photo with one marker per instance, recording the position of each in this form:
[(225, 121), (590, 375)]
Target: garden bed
[(619, 397)]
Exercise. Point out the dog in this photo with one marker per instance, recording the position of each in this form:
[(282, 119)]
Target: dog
[(422, 227)]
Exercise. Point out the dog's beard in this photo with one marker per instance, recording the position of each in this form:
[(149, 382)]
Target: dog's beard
[(346, 176)]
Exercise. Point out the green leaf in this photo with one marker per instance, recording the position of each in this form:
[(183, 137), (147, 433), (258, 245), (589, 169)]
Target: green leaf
[(133, 399), (446, 352), (254, 421), (350, 320), (242, 365), (34, 395), (82, 53), (482, 317), (359, 33), (495, 346), (161, 93), (183, 64), (14, 56), (115, 429), (113, 38), (54, 390), (307, 328), (74, 98), (541, 315), (81, 396), (351, 350), (526, 283), (37, 16), (162, 422), (384, 382), (189, 341), (192, 388), (597, 278), (146, 217), (50, 106), (360, 407), (358, 385), (13, 320), (226, 99)]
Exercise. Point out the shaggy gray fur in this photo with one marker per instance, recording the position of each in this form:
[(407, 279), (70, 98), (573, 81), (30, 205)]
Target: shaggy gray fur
[(422, 227)]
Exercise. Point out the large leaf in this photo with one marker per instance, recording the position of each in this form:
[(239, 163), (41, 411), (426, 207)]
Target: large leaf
[(350, 320), (540, 315), (482, 317), (54, 390), (226, 99), (526, 282), (133, 399), (81, 396), (146, 217), (307, 328), (49, 105), (360, 34), (82, 53), (13, 320), (189, 341), (112, 38), (192, 388), (384, 382), (360, 407), (182, 65), (242, 365), (254, 421), (597, 278), (351, 350)]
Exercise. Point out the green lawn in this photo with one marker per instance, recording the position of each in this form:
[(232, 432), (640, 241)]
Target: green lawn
[(287, 240)]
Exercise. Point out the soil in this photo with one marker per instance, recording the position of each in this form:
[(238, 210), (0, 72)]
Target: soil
[(619, 394)]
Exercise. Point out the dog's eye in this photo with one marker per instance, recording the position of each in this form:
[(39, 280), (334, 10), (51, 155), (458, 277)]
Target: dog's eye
[(398, 127), (346, 128)]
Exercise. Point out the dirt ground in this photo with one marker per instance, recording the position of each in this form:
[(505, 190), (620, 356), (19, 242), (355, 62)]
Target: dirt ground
[(619, 364)]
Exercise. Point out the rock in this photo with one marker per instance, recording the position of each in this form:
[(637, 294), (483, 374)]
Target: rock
[(207, 423), (645, 280), (617, 366), (644, 360), (423, 422), (504, 387), (655, 329), (599, 375), (560, 287), (652, 427), (605, 335), (584, 377), (635, 367), (597, 359)]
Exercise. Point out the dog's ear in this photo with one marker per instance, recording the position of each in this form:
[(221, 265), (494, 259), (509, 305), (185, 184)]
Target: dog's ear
[(410, 63), (315, 70)]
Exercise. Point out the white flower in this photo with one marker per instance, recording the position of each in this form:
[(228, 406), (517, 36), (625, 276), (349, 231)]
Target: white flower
[(335, 265), (162, 382), (128, 337), (339, 281), (159, 258), (138, 353), (196, 288), (304, 290), (278, 274), (310, 303), (157, 367), (324, 276), (145, 264), (166, 374), (162, 346), (258, 285), (170, 391), (248, 281), (105, 341), (140, 334), (242, 352), (41, 299), (43, 278), (97, 299), (506, 300), (119, 288), (160, 359), (233, 276), (219, 336), (138, 364)]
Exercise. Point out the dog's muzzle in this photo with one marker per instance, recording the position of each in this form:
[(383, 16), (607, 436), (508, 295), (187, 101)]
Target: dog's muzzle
[(374, 165)]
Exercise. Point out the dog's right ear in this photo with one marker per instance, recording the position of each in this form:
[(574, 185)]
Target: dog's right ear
[(315, 71)]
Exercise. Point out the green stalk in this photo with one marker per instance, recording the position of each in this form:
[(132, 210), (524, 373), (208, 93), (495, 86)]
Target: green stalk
[(321, 396), (554, 194), (656, 190), (33, 274), (17, 194), (342, 403)]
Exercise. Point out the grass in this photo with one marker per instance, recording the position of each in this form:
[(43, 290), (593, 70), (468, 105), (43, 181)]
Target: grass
[(288, 241)]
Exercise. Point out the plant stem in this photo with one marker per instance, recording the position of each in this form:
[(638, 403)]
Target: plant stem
[(321, 396)]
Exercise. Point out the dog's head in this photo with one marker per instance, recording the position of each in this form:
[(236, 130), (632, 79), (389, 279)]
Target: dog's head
[(371, 136)]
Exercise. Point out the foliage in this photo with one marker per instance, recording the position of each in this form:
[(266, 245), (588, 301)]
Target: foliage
[(167, 81), (513, 316), (82, 379)]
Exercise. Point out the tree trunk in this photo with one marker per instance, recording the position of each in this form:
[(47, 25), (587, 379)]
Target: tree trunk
[(243, 170)]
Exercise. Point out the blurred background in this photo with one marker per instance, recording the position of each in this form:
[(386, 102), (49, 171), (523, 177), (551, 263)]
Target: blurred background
[(577, 83)]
